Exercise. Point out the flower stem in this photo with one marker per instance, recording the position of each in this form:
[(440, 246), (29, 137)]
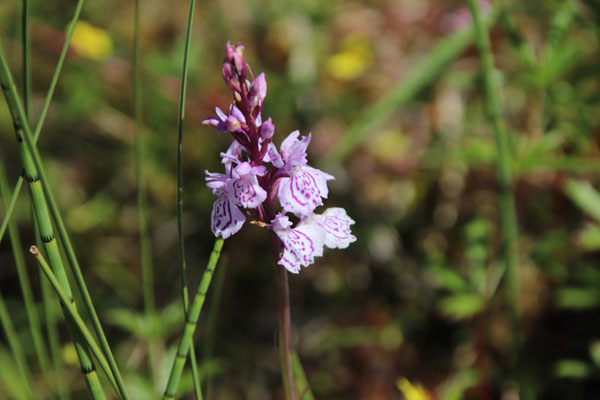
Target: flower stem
[(191, 321), (507, 205), (284, 324), (180, 238)]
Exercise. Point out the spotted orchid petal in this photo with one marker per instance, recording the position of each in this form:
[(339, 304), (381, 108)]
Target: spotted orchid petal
[(226, 218), (300, 245), (246, 190), (303, 190), (336, 224)]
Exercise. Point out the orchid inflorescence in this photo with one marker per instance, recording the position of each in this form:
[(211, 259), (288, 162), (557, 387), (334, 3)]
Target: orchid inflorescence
[(256, 174)]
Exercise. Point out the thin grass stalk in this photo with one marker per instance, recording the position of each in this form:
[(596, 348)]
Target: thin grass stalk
[(40, 123), (32, 154), (53, 341), (24, 281), (71, 311), (414, 82), (26, 58), (508, 214), (191, 321), (34, 179), (180, 237), (147, 272), (16, 349)]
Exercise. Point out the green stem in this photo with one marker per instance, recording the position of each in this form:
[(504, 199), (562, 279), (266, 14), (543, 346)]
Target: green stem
[(34, 164), (180, 238), (70, 309), (40, 124), (15, 347), (26, 59), (147, 274), (191, 321), (507, 205), (52, 332), (34, 177), (24, 282)]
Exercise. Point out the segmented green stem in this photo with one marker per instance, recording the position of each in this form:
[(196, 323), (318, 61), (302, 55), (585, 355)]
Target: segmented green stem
[(180, 238), (34, 178), (40, 124), (34, 163), (26, 58), (191, 320), (52, 332), (70, 310), (507, 205), (16, 349), (24, 282)]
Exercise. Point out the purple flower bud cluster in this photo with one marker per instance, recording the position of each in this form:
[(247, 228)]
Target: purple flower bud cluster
[(257, 174)]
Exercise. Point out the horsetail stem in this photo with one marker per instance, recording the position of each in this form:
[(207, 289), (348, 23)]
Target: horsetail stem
[(40, 124), (32, 155), (25, 283), (180, 239), (191, 321), (70, 309)]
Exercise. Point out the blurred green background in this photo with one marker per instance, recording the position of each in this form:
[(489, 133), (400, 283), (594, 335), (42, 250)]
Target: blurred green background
[(392, 93)]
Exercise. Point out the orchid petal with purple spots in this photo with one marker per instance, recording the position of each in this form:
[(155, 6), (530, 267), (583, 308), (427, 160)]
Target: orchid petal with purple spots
[(300, 245), (336, 224)]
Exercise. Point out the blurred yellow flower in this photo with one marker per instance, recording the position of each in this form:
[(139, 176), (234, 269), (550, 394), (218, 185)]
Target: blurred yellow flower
[(412, 392), (91, 42), (354, 58)]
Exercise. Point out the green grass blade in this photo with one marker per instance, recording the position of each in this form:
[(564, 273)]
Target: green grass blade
[(180, 238), (69, 306), (302, 386), (35, 177), (25, 283), (36, 168), (191, 321), (16, 349), (420, 76), (26, 58), (47, 101), (145, 248)]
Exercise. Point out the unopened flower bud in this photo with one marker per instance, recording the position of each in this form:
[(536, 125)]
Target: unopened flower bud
[(232, 124), (258, 90), (267, 129)]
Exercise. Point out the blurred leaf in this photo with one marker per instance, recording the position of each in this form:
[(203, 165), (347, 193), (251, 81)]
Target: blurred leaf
[(448, 278), (159, 325), (301, 382), (574, 369), (577, 298), (98, 211), (461, 306), (454, 387), (532, 152), (585, 196), (10, 378), (589, 238), (595, 352)]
